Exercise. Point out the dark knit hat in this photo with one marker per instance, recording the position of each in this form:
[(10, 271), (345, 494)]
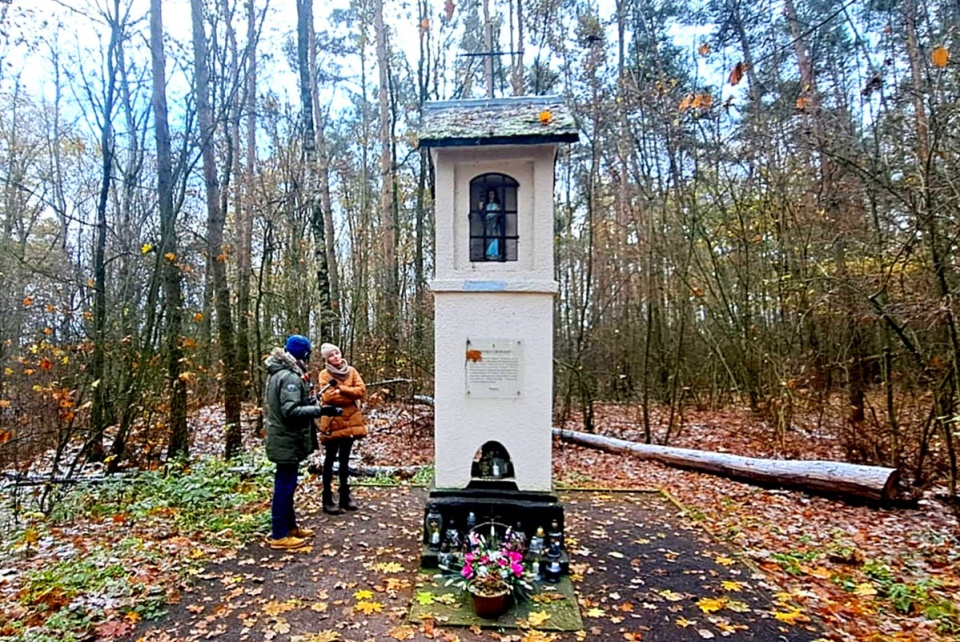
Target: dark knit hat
[(299, 346)]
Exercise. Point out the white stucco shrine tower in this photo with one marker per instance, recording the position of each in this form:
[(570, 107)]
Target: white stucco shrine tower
[(494, 291)]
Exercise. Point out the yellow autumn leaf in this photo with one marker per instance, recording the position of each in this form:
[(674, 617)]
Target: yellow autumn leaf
[(388, 567), (170, 256), (198, 317), (145, 248), (725, 627), (711, 604), (425, 598), (538, 636), (940, 57), (402, 633), (822, 572), (595, 612), (281, 626), (791, 617), (731, 585), (545, 117), (362, 595), (865, 589), (396, 583), (546, 598), (737, 606), (446, 598), (683, 622), (368, 607), (27, 301), (536, 618), (723, 561), (326, 635), (667, 594), (30, 535)]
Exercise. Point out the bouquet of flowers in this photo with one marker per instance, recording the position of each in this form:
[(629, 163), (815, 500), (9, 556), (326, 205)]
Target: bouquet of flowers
[(493, 565)]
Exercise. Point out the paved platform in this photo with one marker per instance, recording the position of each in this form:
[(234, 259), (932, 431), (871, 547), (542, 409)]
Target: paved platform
[(640, 569)]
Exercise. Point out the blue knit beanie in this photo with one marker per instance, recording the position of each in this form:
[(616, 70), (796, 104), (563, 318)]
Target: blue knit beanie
[(299, 346)]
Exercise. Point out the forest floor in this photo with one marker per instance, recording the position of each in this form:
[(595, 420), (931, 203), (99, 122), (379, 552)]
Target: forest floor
[(701, 557)]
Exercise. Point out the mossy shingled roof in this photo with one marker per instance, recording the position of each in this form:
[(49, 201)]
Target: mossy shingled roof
[(497, 121)]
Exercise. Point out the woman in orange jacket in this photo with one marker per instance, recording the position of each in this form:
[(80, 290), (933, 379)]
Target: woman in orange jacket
[(344, 388)]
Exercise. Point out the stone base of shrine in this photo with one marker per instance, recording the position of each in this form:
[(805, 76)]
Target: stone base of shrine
[(526, 510)]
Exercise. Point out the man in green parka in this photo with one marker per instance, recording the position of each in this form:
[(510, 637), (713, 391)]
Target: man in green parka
[(290, 409)]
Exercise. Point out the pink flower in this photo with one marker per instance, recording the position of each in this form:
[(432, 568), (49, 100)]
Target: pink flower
[(467, 571)]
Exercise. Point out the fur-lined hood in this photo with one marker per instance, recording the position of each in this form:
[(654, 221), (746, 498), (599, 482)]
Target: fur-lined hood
[(280, 359)]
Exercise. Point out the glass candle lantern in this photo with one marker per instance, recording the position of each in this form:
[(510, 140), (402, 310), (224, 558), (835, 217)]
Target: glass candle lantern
[(433, 518)]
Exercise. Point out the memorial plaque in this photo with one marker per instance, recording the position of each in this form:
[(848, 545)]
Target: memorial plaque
[(494, 368)]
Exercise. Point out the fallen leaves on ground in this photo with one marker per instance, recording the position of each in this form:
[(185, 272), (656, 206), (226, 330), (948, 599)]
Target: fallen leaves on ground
[(862, 571), (824, 553)]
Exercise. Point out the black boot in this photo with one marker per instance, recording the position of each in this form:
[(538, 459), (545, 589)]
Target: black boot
[(327, 479), (328, 506), (345, 502)]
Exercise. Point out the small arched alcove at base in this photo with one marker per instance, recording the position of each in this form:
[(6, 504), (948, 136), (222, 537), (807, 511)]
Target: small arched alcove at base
[(492, 467)]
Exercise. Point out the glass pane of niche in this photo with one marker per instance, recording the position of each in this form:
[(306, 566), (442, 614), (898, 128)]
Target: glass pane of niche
[(493, 218)]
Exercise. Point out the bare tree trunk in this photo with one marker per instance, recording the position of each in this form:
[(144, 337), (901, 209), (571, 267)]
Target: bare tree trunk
[(246, 206), (216, 260), (835, 479), (179, 435), (311, 195), (832, 201), (518, 56), (93, 449), (488, 44), (323, 187), (235, 92), (927, 211), (388, 212)]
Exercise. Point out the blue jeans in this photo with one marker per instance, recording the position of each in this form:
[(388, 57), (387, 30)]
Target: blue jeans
[(283, 519)]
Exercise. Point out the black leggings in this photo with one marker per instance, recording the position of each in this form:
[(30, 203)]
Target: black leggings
[(338, 449)]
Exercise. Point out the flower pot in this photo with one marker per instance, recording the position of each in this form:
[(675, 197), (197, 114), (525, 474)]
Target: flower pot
[(490, 606)]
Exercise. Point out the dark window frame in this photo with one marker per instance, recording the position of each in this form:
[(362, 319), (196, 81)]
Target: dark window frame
[(494, 231)]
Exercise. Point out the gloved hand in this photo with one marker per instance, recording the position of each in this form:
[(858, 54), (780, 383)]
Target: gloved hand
[(333, 382)]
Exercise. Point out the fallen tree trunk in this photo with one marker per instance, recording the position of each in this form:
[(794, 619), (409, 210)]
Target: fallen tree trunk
[(835, 479)]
